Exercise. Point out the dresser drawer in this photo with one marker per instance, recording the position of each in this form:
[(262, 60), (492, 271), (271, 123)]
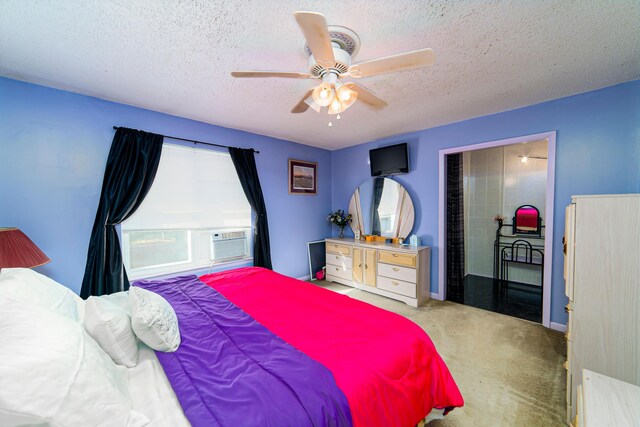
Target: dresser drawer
[(337, 248), (397, 258), (340, 272), (339, 260), (396, 272), (397, 286)]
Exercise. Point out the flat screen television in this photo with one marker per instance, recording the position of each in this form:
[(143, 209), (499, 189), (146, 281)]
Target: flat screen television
[(390, 160)]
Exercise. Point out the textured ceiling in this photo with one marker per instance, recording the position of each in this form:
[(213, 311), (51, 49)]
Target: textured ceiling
[(176, 56)]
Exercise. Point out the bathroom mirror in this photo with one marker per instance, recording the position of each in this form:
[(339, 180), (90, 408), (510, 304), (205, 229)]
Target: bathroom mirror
[(527, 220), (382, 207)]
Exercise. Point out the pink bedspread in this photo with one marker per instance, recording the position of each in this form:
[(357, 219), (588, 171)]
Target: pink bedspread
[(386, 365)]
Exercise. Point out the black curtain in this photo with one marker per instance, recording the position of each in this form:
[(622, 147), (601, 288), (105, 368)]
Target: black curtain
[(131, 167), (245, 164), (455, 228), (378, 187)]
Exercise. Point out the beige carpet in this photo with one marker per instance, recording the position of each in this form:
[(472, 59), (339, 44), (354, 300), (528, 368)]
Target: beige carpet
[(509, 370)]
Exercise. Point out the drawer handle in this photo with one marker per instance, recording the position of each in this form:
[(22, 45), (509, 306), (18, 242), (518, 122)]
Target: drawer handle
[(395, 255), (566, 336), (337, 257), (359, 265), (565, 365), (366, 266), (567, 308), (396, 269), (395, 283), (337, 269)]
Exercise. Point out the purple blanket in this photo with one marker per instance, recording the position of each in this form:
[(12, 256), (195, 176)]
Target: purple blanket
[(231, 371)]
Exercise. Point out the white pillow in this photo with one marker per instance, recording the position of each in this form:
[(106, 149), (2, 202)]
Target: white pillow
[(34, 288), (153, 320), (120, 300), (110, 326), (54, 373)]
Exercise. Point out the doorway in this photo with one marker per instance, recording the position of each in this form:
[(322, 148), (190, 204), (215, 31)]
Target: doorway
[(483, 261)]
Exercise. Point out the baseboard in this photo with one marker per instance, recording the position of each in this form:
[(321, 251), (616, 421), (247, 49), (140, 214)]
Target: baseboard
[(304, 278), (558, 327)]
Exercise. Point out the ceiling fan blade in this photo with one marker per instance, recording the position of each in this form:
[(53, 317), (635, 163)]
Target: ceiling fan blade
[(302, 106), (314, 28), (281, 74), (367, 97), (390, 64)]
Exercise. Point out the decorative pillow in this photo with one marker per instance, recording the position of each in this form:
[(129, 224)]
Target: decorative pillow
[(120, 300), (54, 373), (110, 326), (153, 320), (34, 288)]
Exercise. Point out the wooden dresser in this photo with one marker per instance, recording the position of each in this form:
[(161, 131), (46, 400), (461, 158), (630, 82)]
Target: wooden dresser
[(391, 270), (602, 273)]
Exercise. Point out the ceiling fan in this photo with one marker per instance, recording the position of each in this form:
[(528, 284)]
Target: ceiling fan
[(330, 49)]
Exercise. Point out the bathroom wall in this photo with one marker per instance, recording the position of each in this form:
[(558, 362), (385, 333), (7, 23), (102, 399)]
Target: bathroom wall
[(485, 188), (525, 183), (498, 182)]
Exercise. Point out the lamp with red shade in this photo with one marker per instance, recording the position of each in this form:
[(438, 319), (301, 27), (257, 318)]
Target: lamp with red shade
[(17, 250)]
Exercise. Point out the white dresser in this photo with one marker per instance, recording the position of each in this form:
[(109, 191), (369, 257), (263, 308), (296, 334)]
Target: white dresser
[(391, 270), (602, 273), (604, 401)]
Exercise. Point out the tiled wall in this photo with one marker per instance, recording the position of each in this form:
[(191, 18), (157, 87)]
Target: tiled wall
[(525, 184), (498, 182), (485, 182)]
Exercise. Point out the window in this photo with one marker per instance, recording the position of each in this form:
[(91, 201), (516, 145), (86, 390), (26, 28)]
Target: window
[(195, 214), (387, 209)]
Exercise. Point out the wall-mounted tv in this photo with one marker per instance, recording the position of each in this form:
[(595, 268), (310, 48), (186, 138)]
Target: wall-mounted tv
[(390, 160)]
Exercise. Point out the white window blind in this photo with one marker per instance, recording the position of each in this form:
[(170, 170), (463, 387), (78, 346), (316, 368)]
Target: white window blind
[(193, 188), (196, 194)]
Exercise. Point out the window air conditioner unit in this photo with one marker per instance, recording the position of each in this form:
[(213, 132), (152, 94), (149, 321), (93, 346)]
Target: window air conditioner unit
[(226, 245)]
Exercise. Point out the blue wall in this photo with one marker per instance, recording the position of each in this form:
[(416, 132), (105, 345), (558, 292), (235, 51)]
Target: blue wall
[(597, 152), (54, 144), (53, 151)]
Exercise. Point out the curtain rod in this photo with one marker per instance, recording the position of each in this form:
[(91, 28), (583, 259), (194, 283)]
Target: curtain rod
[(192, 140)]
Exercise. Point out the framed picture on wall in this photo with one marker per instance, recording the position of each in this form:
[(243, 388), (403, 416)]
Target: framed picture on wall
[(303, 177)]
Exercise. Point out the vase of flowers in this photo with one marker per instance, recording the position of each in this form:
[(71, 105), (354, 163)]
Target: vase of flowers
[(340, 219)]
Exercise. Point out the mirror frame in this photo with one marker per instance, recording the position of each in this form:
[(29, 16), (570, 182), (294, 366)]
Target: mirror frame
[(538, 221), (408, 222)]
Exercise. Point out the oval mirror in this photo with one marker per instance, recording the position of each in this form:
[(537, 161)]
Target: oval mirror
[(382, 207)]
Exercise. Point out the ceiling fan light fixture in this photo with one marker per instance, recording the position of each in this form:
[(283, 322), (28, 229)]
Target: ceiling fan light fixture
[(346, 95), (336, 107), (323, 94), (330, 51), (311, 103)]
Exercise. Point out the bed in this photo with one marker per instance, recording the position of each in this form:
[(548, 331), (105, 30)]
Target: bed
[(257, 348)]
